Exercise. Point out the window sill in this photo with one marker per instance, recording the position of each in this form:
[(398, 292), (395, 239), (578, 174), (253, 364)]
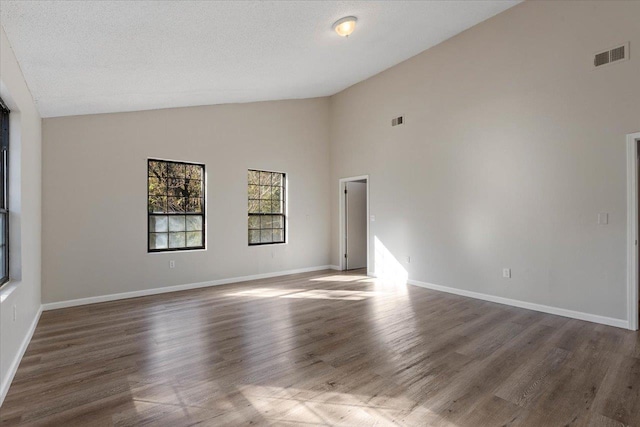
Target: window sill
[(176, 251), (262, 245), (7, 289)]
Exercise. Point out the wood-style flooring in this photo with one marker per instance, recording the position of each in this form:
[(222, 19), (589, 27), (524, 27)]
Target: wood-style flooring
[(322, 349)]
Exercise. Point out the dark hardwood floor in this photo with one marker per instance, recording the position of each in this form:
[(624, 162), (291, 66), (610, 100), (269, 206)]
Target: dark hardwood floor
[(322, 349)]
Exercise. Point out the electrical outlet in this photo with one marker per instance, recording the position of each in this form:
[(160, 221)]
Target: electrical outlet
[(408, 259), (172, 264), (506, 273), (603, 218)]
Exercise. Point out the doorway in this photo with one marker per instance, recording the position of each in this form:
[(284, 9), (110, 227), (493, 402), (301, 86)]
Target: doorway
[(354, 223), (633, 225)]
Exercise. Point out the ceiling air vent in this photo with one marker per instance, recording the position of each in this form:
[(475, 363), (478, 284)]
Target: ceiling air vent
[(601, 59), (609, 56), (397, 121)]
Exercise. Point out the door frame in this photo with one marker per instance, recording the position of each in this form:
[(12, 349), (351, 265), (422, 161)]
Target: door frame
[(341, 229), (632, 230)]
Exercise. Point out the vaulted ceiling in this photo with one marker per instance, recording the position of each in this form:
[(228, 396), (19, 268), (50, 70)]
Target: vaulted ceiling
[(109, 56)]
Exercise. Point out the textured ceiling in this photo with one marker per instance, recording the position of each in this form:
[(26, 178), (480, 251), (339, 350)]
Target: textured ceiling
[(108, 56)]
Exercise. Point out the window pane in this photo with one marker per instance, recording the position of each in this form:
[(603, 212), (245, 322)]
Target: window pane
[(176, 170), (3, 246), (3, 261), (158, 240), (177, 240), (278, 222), (193, 188), (266, 222), (254, 206), (278, 235), (157, 186), (158, 223), (176, 223), (277, 179), (3, 175), (194, 172), (265, 178), (254, 236), (254, 222), (254, 192), (176, 204), (194, 205), (277, 206), (254, 177), (265, 236), (265, 192), (158, 169), (265, 206), (176, 187), (194, 223), (3, 221), (158, 204), (277, 193), (194, 239)]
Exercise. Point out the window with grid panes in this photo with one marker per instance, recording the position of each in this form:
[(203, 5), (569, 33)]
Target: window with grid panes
[(4, 196), (176, 207), (267, 207)]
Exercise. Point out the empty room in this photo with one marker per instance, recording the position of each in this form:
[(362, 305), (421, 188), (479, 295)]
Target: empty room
[(319, 213)]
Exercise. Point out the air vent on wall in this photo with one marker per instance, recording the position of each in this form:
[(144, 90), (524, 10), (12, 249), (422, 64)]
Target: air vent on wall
[(609, 56), (397, 121)]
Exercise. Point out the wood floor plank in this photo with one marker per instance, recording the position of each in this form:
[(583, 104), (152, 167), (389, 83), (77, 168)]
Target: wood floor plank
[(322, 349), (526, 384), (622, 403)]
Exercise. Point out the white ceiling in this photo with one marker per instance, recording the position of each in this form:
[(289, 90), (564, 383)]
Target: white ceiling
[(108, 56)]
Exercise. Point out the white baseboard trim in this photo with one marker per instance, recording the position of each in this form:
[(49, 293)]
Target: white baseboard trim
[(155, 291), (610, 321), (338, 268), (6, 382)]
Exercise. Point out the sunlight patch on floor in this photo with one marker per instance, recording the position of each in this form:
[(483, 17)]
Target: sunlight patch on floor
[(388, 269), (326, 294), (328, 408), (263, 292), (340, 278), (334, 294)]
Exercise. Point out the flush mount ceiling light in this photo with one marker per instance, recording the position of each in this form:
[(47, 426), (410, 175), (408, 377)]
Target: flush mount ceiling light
[(345, 26)]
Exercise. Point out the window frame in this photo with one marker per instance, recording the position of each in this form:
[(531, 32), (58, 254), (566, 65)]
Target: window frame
[(4, 196), (259, 214), (203, 214)]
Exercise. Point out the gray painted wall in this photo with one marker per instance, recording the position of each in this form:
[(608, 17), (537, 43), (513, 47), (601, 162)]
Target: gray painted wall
[(23, 291), (95, 194), (512, 146)]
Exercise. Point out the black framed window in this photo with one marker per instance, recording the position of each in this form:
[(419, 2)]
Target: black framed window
[(267, 207), (176, 206), (4, 193)]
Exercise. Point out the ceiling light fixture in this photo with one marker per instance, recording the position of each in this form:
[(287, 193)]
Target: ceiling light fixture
[(345, 26)]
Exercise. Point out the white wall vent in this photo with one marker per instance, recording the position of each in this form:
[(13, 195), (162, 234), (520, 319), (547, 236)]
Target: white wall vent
[(397, 121), (610, 56)]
